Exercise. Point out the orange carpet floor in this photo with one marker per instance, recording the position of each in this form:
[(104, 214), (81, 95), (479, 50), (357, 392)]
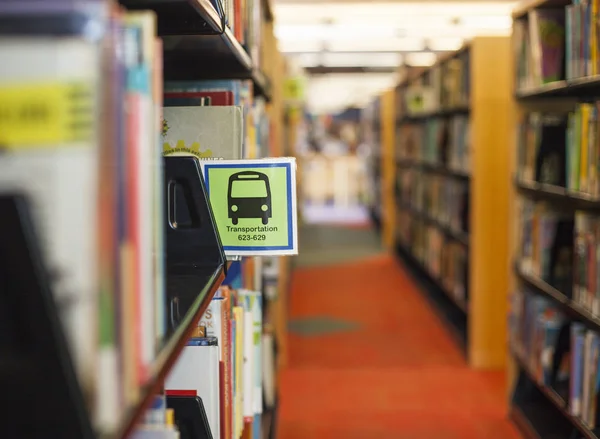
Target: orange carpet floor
[(392, 373)]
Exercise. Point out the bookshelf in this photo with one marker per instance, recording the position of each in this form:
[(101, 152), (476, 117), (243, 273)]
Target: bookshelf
[(452, 191), (139, 280), (556, 205)]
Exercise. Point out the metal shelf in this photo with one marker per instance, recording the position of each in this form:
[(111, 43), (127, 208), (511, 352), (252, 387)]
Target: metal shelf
[(586, 87), (567, 305), (554, 398), (198, 45), (557, 194)]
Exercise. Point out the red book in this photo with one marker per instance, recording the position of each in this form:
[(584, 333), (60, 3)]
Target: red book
[(217, 98)]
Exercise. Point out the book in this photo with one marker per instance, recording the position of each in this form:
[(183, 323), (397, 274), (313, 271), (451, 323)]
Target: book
[(206, 132)]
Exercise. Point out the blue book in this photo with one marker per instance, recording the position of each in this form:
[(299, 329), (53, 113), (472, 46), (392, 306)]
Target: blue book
[(203, 341)]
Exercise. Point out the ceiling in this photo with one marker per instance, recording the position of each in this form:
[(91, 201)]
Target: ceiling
[(383, 35)]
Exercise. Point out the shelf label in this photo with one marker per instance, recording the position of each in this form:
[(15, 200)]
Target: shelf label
[(254, 204), (44, 115)]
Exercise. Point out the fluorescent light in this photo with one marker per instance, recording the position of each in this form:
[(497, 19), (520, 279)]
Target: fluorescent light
[(487, 22), (347, 59), (445, 44), (366, 44), (341, 59), (291, 46), (306, 59), (330, 32), (384, 14), (424, 59)]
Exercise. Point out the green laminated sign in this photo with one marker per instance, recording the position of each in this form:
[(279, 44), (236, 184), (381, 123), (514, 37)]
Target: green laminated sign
[(254, 205)]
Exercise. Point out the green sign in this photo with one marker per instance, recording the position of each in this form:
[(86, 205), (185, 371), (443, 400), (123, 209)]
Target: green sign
[(254, 205)]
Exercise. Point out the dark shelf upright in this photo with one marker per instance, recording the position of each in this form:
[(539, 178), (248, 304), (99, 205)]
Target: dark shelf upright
[(40, 394)]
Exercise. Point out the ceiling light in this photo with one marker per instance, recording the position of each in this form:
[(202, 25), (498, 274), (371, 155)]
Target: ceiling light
[(423, 59), (331, 32), (359, 44), (306, 59), (487, 22), (385, 13), (340, 59), (445, 44), (291, 46)]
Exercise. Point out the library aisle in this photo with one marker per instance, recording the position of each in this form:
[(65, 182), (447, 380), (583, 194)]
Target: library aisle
[(370, 359)]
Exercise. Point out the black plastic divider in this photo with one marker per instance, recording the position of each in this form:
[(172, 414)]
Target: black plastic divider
[(40, 395)]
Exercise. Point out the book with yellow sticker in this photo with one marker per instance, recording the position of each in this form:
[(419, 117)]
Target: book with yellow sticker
[(204, 132)]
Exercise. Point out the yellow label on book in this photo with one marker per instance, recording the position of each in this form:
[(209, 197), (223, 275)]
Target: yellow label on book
[(44, 115)]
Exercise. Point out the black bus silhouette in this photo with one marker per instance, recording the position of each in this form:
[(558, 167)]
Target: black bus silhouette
[(257, 204)]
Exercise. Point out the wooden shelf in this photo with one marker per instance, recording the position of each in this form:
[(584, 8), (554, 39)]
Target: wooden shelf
[(490, 110)]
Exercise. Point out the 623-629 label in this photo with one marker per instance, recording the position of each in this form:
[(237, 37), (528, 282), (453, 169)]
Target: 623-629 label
[(44, 115)]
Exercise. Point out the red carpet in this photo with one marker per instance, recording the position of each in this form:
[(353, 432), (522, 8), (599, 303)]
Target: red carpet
[(397, 376)]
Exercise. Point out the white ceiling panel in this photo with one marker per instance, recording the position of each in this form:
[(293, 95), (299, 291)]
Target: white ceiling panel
[(348, 33)]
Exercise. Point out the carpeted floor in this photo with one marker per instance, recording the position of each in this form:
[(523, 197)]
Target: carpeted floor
[(370, 360)]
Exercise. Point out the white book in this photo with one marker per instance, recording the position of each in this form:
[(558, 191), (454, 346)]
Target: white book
[(198, 369), (54, 163), (248, 368)]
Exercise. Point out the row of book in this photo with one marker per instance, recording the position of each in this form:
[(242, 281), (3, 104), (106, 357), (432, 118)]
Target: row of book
[(586, 254), (444, 86), (441, 198), (222, 362), (558, 353), (561, 149), (244, 18), (443, 258), (556, 43), (92, 169), (225, 378), (443, 141), (546, 239)]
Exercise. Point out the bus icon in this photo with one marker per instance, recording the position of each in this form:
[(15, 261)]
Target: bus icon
[(249, 196)]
